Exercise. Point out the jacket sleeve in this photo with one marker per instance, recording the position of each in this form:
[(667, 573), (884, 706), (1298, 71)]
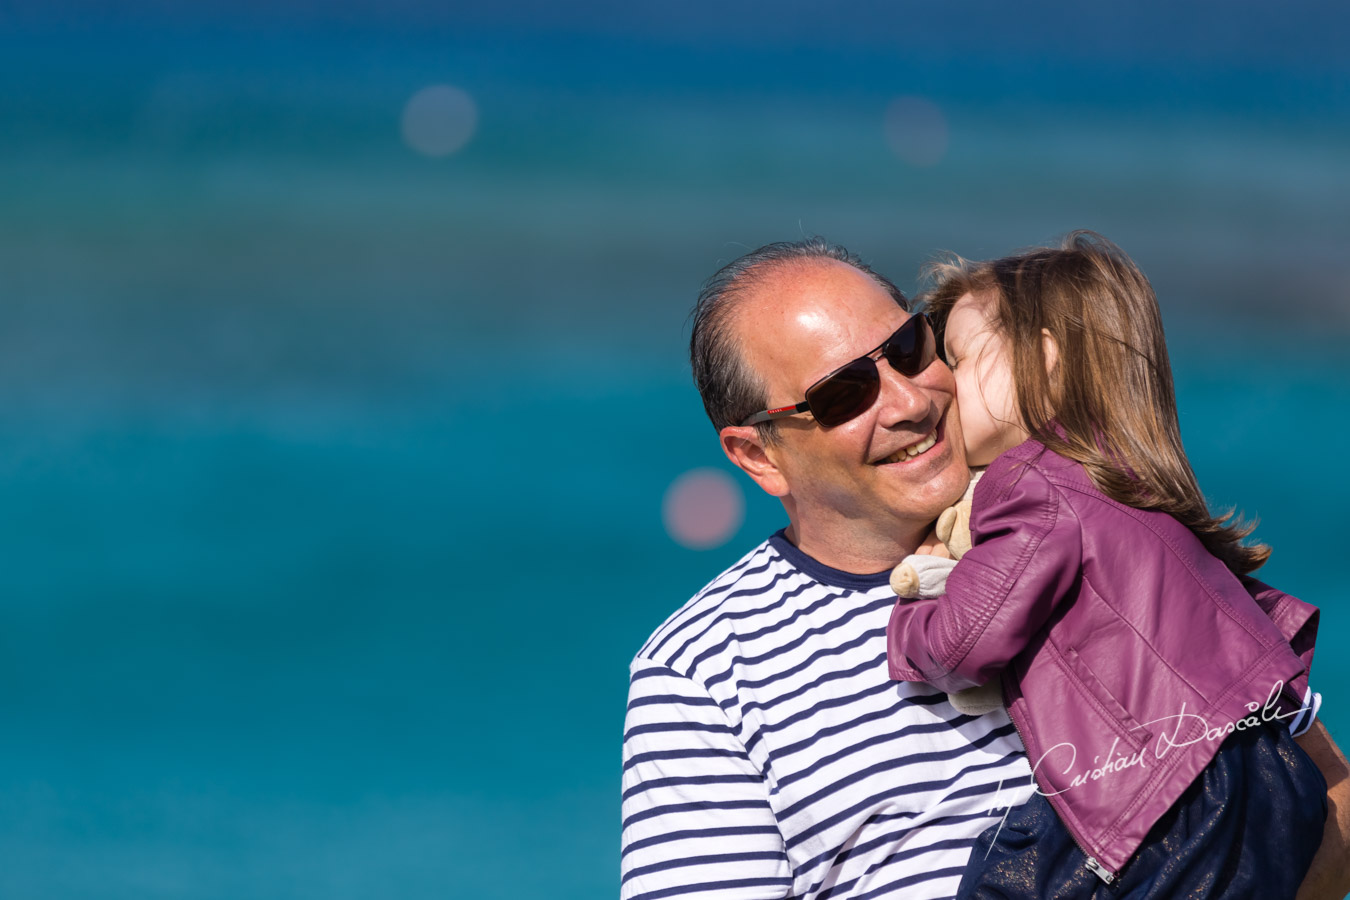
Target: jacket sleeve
[(1296, 620), (1024, 561), (697, 822)]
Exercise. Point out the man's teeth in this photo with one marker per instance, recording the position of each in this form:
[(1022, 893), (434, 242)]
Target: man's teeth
[(913, 450)]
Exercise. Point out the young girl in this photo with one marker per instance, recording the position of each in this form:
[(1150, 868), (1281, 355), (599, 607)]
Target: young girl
[(1152, 687)]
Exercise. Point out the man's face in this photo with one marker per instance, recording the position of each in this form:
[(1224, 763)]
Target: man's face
[(851, 482)]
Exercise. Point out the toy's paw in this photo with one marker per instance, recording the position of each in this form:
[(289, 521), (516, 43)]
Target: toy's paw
[(905, 581), (977, 701), (953, 528), (921, 576)]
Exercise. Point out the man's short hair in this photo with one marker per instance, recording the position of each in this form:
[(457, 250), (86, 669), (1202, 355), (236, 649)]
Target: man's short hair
[(730, 389)]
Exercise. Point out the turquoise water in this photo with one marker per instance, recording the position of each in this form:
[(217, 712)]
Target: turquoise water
[(333, 473)]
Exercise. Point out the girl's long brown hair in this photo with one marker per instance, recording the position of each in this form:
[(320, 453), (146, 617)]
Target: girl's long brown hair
[(1111, 389)]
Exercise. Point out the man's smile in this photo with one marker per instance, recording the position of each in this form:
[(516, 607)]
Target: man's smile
[(916, 449)]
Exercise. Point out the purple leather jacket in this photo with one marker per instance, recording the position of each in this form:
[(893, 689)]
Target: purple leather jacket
[(1107, 624)]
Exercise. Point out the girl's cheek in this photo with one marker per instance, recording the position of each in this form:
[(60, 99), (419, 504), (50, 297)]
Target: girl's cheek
[(965, 405), (972, 412)]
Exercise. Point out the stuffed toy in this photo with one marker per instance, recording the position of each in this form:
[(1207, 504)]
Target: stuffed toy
[(926, 576)]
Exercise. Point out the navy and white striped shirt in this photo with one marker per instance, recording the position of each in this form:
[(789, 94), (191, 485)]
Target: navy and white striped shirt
[(767, 753)]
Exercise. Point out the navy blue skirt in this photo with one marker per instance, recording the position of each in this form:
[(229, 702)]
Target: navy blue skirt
[(1247, 827)]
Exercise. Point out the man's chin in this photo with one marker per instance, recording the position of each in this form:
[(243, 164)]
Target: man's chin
[(945, 487)]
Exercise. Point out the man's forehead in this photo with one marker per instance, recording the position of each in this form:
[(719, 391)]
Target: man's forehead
[(814, 316), (817, 294)]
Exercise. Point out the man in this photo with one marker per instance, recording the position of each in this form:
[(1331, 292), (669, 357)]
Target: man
[(766, 753)]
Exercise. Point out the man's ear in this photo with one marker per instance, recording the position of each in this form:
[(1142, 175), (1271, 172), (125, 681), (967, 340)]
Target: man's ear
[(747, 450), (1050, 349)]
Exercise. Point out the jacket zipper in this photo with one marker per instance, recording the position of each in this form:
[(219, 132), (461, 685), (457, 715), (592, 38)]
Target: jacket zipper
[(1099, 870), (1091, 865)]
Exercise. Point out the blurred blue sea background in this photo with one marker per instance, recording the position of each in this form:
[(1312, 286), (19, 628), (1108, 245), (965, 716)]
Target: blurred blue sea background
[(332, 472)]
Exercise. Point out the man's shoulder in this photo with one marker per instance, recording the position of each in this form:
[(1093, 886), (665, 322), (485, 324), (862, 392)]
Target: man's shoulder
[(748, 582)]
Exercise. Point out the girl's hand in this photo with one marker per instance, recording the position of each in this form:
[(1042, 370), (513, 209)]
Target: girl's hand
[(931, 546)]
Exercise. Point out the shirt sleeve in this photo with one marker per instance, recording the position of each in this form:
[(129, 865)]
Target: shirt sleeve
[(1307, 714), (696, 816), (1024, 560)]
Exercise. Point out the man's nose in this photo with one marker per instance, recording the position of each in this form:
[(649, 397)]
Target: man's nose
[(900, 399)]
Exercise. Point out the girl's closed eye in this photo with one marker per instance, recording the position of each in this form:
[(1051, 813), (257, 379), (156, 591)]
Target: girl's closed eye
[(949, 355)]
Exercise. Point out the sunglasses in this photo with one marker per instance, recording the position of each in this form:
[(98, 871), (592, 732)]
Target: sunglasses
[(851, 389)]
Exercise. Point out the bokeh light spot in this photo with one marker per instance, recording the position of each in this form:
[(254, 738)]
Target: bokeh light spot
[(916, 131), (703, 508), (438, 120)]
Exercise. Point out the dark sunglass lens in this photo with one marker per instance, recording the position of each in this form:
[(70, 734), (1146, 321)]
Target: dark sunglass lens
[(912, 348), (845, 394)]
